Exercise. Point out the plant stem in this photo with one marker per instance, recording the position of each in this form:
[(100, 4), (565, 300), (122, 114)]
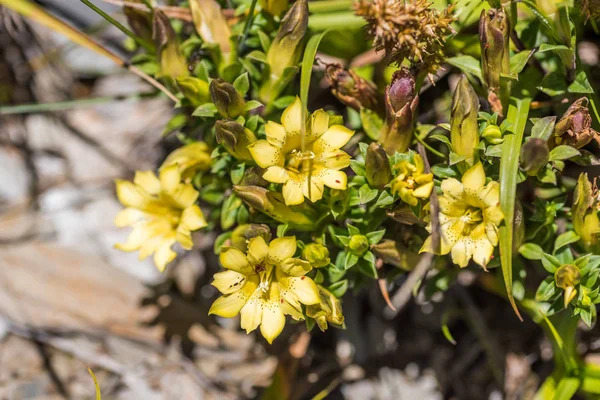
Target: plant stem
[(327, 6), (247, 26), (142, 42), (335, 21), (428, 147)]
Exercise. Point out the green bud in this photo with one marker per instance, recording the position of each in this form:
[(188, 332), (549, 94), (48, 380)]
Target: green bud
[(575, 126), (359, 244), (316, 254), (243, 233), (494, 31), (401, 101), (377, 165), (253, 177), (235, 138), (172, 62), (586, 222), (394, 254), (534, 156), (227, 99), (301, 217), (567, 277), (464, 130), (329, 309), (351, 89), (210, 23), (194, 89), (493, 134), (274, 7)]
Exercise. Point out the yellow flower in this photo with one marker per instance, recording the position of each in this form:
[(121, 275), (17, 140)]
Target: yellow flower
[(282, 157), (264, 285), (469, 217), (190, 159), (412, 183), (328, 310), (161, 211)]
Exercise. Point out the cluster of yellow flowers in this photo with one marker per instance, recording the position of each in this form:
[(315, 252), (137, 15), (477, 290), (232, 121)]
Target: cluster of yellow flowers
[(262, 281)]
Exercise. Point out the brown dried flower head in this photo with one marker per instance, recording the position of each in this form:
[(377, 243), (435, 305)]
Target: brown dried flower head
[(590, 9), (408, 29)]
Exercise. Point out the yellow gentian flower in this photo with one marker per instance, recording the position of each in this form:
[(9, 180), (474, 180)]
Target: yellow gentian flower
[(412, 183), (264, 285), (190, 159), (161, 211), (469, 217), (282, 157)]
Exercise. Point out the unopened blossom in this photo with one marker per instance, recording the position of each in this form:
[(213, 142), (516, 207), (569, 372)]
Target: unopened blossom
[(264, 285), (411, 182), (469, 217), (162, 212), (303, 172)]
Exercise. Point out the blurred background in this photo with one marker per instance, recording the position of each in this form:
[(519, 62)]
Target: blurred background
[(69, 301)]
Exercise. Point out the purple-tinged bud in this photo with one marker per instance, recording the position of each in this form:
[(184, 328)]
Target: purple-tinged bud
[(575, 126)]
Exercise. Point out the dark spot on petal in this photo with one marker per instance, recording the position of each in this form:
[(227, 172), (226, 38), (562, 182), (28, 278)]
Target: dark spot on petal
[(302, 278)]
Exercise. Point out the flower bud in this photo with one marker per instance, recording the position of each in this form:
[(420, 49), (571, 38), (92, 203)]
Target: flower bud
[(392, 253), (567, 277), (329, 309), (575, 126), (377, 166), (235, 138), (316, 254), (412, 183), (534, 156), (194, 89), (211, 24), (494, 30), (493, 134), (243, 233), (171, 60), (227, 99), (351, 89), (253, 176), (585, 215), (274, 7), (139, 21), (401, 101), (464, 130), (301, 217), (358, 245)]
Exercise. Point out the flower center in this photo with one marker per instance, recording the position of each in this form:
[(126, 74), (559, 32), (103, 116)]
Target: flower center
[(295, 159), (410, 182), (265, 275), (471, 218)]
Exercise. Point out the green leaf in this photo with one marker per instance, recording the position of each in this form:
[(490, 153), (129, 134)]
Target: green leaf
[(566, 388), (550, 263), (310, 52), (257, 56), (519, 61), (468, 64), (252, 104), (546, 290), (543, 128), (242, 83), (283, 102), (384, 200), (375, 237), (229, 211), (265, 40), (531, 251), (563, 153), (339, 288), (366, 265), (443, 139), (518, 112), (176, 122), (565, 239), (207, 110), (352, 230), (358, 167), (581, 84), (366, 194), (281, 230), (237, 173), (220, 241), (442, 171), (455, 158), (344, 240), (350, 261), (553, 84), (371, 123)]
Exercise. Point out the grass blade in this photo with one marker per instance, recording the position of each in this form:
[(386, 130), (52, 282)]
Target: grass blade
[(98, 395), (518, 111)]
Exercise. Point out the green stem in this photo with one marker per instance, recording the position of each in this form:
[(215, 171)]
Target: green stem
[(428, 147), (247, 26), (61, 105), (142, 42), (335, 21), (327, 6)]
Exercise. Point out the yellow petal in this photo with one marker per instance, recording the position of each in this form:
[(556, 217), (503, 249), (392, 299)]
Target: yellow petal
[(169, 178), (292, 193), (273, 322), (252, 312), (265, 154), (136, 238), (493, 215), (295, 267), (129, 216), (334, 179), (452, 229), (149, 246), (281, 249), (233, 259), (276, 174), (491, 231), (228, 306), (184, 195), (184, 237), (483, 251), (474, 178), (193, 218), (452, 187), (490, 194), (428, 246), (461, 253), (147, 181), (257, 250), (131, 195), (319, 123), (275, 133), (335, 159), (334, 138), (304, 288), (228, 281), (291, 119), (164, 254), (316, 188), (424, 191)]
